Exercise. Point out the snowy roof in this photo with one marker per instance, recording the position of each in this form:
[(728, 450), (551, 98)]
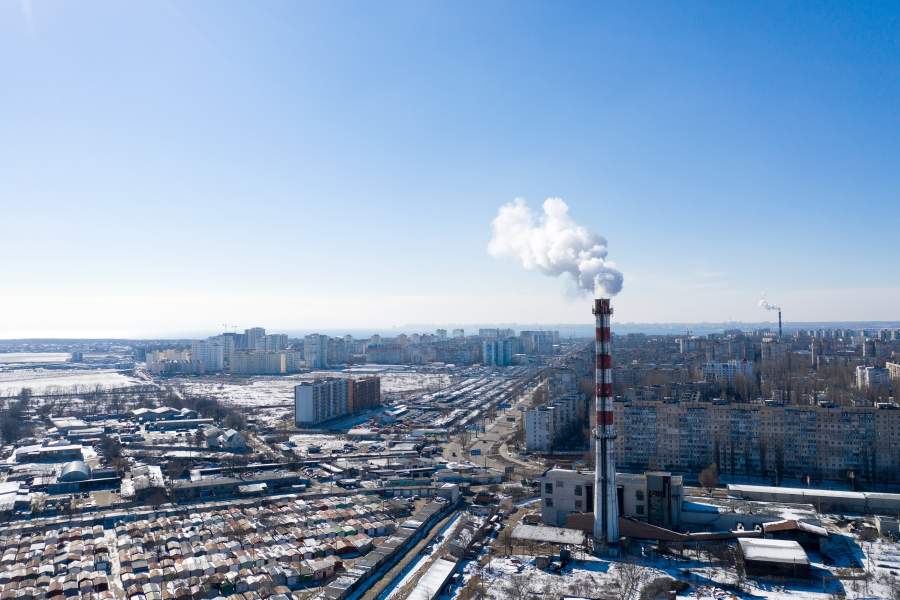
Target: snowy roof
[(811, 492), (433, 580), (553, 535), (76, 470), (793, 524), (774, 551)]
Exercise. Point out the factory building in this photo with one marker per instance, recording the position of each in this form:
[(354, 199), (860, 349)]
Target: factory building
[(654, 497)]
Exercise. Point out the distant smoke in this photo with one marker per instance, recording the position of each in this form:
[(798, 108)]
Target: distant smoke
[(554, 244), (763, 303)]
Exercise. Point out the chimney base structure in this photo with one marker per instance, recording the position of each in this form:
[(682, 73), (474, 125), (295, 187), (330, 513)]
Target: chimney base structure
[(606, 508)]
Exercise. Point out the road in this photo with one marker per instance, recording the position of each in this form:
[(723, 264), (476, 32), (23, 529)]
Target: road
[(493, 443)]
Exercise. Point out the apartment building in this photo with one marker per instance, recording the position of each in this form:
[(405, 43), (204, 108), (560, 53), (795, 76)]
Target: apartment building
[(255, 338), (275, 342), (545, 423), (893, 370), (170, 361), (497, 352), (207, 356), (872, 377), (787, 441), (363, 393), (258, 362), (726, 372), (315, 350), (320, 400)]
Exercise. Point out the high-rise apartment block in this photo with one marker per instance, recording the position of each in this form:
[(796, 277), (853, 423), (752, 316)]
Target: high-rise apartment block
[(761, 440), (363, 393), (207, 356), (275, 341), (538, 342), (255, 338), (545, 423), (321, 400), (315, 349), (328, 398), (872, 377), (893, 370), (726, 372), (497, 352)]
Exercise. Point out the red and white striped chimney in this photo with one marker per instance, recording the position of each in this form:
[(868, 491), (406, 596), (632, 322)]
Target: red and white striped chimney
[(606, 511)]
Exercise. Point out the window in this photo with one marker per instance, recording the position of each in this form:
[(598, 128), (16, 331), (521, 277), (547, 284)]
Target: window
[(639, 495), (548, 488), (548, 501), (639, 509), (577, 490), (578, 504)]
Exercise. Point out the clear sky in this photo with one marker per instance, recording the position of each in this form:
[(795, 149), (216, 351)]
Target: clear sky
[(171, 166)]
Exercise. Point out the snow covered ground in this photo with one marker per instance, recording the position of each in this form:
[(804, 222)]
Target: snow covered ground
[(42, 381), (33, 357)]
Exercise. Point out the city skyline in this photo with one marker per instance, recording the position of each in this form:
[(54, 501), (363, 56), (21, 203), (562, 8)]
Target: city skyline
[(173, 167)]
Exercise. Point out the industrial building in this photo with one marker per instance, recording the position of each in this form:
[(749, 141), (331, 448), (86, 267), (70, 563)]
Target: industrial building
[(653, 497)]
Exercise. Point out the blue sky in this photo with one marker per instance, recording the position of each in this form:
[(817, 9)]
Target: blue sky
[(171, 166)]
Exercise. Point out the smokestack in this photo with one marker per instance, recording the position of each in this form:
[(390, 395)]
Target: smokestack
[(779, 323), (606, 510)]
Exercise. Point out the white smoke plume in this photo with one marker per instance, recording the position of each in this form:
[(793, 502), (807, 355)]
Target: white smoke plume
[(763, 303), (554, 244)]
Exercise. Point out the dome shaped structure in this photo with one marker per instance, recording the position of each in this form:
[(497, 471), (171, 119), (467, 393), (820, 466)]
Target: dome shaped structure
[(75, 471)]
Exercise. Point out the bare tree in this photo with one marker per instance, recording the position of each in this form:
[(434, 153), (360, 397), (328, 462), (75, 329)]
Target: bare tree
[(518, 587), (630, 576), (709, 477)]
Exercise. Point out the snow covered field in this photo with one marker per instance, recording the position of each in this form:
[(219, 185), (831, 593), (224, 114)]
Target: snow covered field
[(33, 357), (43, 381)]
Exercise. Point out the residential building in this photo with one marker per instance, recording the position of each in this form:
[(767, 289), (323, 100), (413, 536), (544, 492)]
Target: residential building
[(872, 377), (497, 352), (761, 440), (726, 372), (165, 362), (540, 429), (315, 349), (276, 341), (538, 342), (893, 371), (207, 356), (320, 400), (255, 338), (363, 393), (544, 424)]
